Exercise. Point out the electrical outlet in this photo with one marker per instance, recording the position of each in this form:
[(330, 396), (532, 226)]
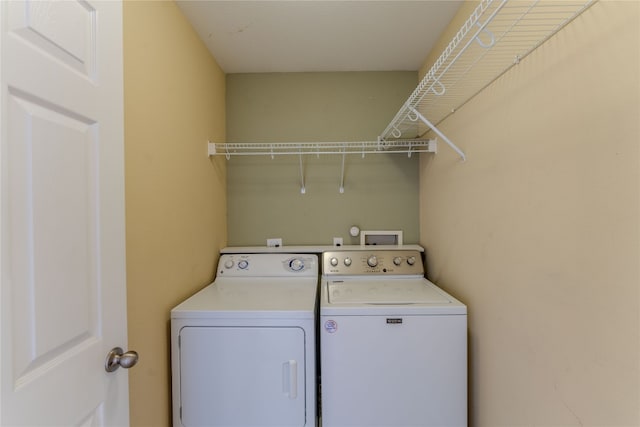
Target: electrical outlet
[(337, 241), (274, 243)]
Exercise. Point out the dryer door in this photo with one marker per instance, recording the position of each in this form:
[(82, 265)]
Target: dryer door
[(242, 376)]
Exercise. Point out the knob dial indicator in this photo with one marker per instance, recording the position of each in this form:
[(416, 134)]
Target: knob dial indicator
[(372, 261), (296, 264)]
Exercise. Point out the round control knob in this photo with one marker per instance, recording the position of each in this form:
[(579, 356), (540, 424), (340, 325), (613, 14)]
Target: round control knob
[(347, 262), (411, 260), (397, 260), (372, 261), (334, 261), (296, 264), (243, 264), (228, 263)]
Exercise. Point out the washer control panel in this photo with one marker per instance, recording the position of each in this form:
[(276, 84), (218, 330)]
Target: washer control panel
[(371, 262)]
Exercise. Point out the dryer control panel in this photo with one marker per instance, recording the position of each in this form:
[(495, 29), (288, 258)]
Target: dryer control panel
[(372, 262), (268, 265)]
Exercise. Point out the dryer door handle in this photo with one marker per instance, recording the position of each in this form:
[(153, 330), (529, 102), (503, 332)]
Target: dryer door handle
[(290, 379)]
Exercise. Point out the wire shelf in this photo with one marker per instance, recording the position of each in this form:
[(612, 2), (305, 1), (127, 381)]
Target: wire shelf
[(317, 148), (497, 35), (361, 148)]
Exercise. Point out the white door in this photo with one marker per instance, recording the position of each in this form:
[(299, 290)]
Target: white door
[(62, 261)]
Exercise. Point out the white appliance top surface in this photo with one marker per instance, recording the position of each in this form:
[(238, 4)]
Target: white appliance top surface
[(252, 298), (314, 248), (257, 286), (384, 295)]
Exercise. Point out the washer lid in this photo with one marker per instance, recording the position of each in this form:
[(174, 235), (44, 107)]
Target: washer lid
[(386, 292)]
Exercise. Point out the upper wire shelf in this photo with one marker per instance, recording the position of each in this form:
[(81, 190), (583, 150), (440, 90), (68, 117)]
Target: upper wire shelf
[(497, 35), (317, 148)]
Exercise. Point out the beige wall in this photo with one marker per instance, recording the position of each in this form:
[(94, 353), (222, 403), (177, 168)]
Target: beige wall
[(175, 195), (381, 191), (538, 231)]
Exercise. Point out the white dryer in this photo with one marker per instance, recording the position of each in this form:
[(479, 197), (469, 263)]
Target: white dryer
[(243, 348), (393, 345)]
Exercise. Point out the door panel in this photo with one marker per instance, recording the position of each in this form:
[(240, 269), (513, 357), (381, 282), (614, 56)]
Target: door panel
[(53, 231), (62, 264), (242, 376), (63, 29)]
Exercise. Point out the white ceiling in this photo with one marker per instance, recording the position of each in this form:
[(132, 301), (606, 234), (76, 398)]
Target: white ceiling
[(304, 35)]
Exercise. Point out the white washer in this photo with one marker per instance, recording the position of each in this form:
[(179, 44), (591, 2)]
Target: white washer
[(393, 345), (243, 348)]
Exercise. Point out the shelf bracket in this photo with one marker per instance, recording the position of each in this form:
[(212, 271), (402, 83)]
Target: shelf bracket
[(437, 132), (492, 37), (303, 189), (344, 154), (211, 148)]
